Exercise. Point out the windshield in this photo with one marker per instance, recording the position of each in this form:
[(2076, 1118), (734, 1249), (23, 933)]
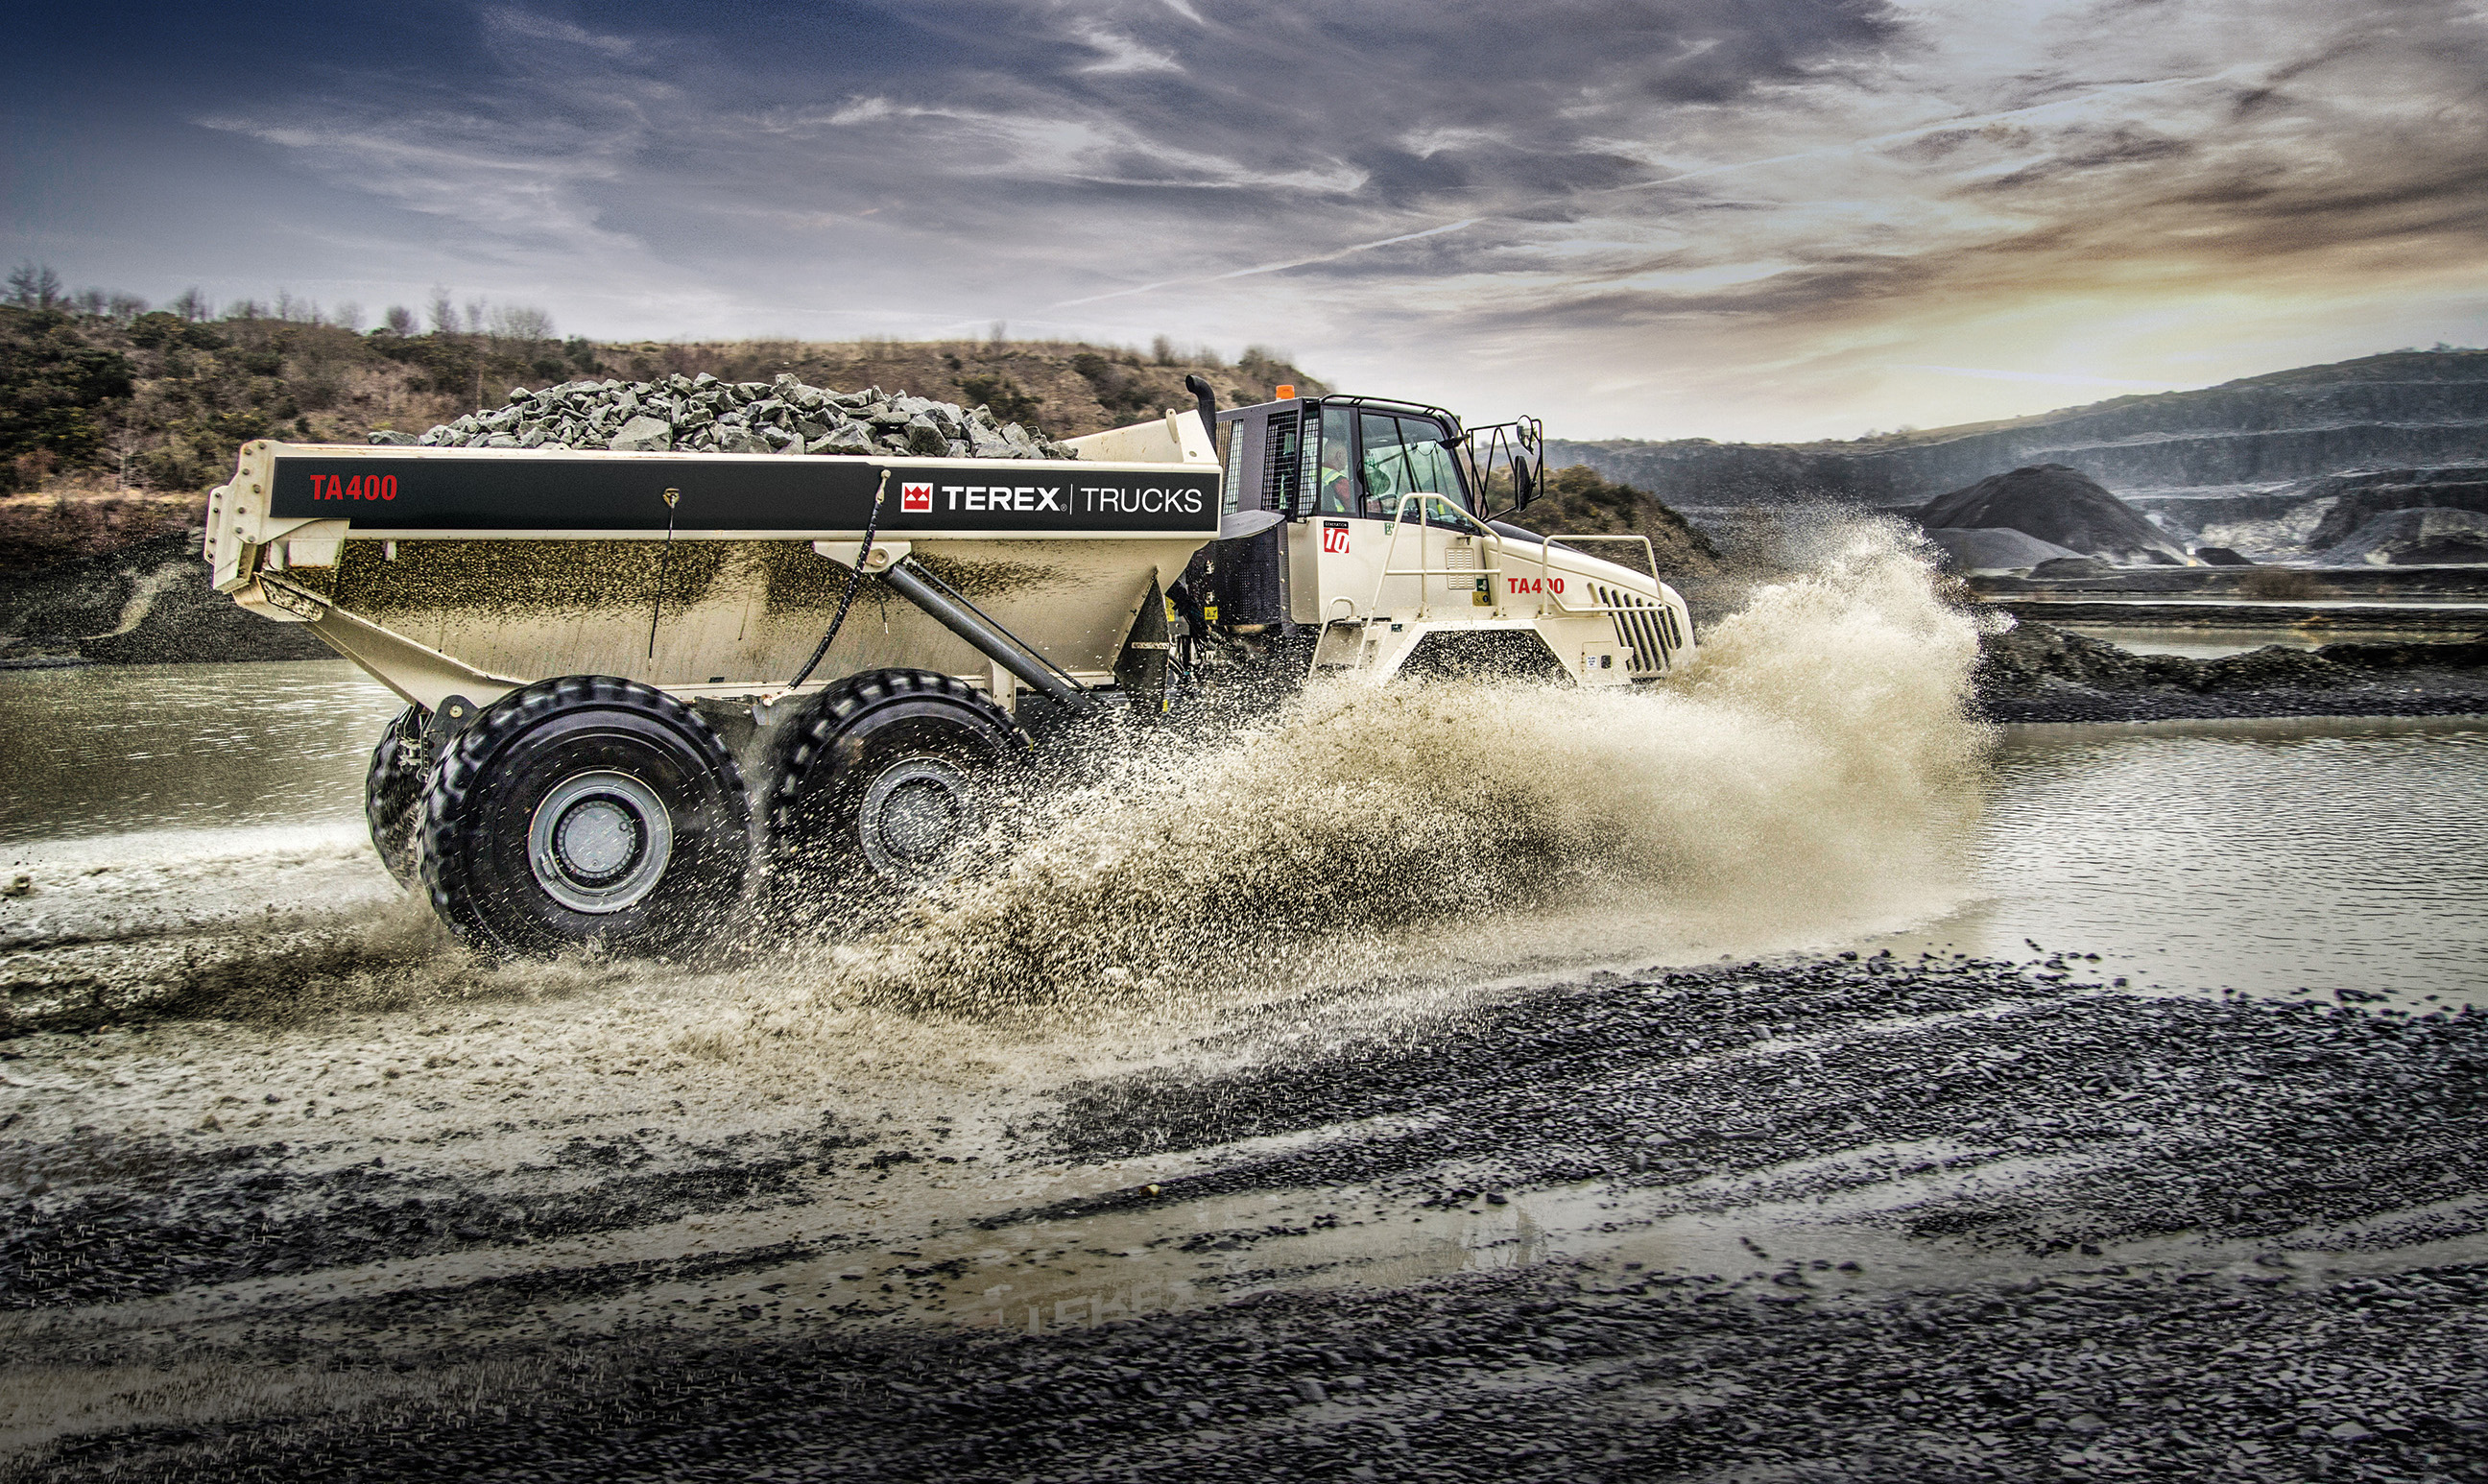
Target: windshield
[(1405, 455)]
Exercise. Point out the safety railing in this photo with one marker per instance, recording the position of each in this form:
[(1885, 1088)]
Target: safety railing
[(1646, 627), (1547, 588), (1461, 521)]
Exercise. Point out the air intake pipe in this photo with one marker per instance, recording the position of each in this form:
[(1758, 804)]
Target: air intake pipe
[(1199, 385)]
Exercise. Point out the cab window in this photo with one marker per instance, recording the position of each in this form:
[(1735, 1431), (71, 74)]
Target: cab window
[(1336, 487), (1406, 456)]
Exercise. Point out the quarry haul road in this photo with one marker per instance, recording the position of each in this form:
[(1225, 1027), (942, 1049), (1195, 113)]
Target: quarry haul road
[(1872, 1217)]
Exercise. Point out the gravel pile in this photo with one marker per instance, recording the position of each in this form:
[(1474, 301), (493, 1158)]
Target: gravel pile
[(701, 413), (2039, 672)]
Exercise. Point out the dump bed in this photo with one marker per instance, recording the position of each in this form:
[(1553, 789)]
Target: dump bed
[(471, 571)]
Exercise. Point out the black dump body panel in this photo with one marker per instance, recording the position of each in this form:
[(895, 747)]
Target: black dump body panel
[(592, 492)]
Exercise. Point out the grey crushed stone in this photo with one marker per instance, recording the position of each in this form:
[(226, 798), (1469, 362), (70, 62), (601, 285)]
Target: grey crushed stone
[(704, 414)]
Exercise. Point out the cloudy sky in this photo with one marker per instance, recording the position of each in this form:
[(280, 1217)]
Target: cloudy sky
[(1731, 218)]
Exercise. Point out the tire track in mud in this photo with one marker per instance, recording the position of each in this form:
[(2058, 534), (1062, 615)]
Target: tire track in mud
[(1570, 1371), (240, 1213), (1690, 1077)]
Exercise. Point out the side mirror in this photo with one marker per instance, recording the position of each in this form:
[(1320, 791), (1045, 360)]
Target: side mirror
[(1524, 482)]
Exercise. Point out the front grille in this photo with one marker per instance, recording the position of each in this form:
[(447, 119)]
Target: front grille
[(1645, 629)]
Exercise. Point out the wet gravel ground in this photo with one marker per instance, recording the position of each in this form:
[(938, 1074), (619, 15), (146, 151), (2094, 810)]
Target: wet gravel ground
[(1856, 1217)]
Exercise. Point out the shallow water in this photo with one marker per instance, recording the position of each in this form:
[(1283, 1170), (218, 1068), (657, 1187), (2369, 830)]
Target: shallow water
[(100, 750), (2266, 856)]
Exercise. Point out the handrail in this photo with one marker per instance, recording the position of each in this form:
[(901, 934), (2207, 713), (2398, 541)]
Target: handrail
[(1546, 546), (1398, 518)]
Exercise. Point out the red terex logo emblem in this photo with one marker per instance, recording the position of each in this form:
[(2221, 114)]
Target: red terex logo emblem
[(1335, 536), (915, 497)]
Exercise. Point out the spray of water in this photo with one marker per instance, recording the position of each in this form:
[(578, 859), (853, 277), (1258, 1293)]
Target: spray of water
[(1813, 761), (1810, 772)]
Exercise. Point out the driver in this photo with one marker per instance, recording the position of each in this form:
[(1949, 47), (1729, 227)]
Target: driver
[(1337, 492)]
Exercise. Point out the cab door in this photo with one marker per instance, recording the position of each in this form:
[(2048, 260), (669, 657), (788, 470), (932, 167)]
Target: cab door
[(1370, 463)]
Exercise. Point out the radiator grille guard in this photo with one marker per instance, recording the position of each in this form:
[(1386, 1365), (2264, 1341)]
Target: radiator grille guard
[(1645, 628)]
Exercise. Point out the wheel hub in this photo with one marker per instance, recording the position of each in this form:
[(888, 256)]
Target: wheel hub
[(914, 813), (600, 841)]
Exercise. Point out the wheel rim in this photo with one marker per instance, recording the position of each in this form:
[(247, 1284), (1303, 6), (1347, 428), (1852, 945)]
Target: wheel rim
[(913, 816), (599, 841)]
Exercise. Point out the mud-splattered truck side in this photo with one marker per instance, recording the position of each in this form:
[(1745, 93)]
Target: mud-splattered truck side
[(597, 649)]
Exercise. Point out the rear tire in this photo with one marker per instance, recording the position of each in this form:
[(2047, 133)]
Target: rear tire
[(394, 794), (887, 774), (586, 810)]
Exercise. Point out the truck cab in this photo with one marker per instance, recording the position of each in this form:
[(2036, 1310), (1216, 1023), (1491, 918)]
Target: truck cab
[(1381, 548)]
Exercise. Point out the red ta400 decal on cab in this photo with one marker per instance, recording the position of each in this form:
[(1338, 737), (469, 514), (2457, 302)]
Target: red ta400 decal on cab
[(1335, 537), (353, 487), (915, 498), (1535, 585)]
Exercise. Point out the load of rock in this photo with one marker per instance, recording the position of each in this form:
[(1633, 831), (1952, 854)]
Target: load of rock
[(704, 414)]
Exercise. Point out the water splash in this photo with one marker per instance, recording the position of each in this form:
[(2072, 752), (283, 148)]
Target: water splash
[(1813, 763), (1809, 775)]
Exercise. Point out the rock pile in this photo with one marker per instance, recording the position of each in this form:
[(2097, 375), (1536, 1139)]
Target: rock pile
[(704, 414), (2059, 506)]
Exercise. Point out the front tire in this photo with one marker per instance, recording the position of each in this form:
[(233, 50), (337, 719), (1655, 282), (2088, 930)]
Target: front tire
[(889, 773), (394, 794), (586, 810)]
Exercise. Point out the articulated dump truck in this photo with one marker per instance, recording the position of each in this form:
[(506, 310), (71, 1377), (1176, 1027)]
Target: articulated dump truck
[(637, 684)]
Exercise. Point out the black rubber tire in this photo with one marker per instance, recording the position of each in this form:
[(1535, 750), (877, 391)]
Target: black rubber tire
[(393, 793), (682, 875), (854, 735)]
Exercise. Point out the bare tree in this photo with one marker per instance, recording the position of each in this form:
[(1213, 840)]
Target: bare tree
[(193, 305), (997, 338), (522, 326), (399, 321), (444, 314), (475, 308), (126, 307), (247, 309), (1161, 351), (347, 316), (34, 285)]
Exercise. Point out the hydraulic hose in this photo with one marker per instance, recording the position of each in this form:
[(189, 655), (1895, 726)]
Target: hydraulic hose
[(854, 579)]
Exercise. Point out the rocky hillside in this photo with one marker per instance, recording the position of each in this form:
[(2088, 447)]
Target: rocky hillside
[(2242, 438), (1579, 502)]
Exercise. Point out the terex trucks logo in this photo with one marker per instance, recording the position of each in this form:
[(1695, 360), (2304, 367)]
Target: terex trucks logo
[(1134, 498)]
